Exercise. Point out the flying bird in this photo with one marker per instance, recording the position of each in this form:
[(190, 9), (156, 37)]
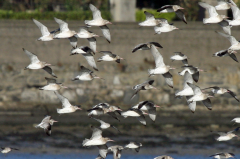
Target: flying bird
[(117, 150), (235, 45), (146, 46), (223, 155), (163, 157), (135, 113), (194, 71), (52, 85), (85, 75), (150, 20), (179, 56), (134, 145), (224, 53), (37, 64), (143, 86), (105, 125), (109, 56), (46, 124), (227, 136), (164, 27), (7, 149)]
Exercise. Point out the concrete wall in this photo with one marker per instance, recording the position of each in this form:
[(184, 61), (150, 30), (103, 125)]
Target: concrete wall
[(196, 40)]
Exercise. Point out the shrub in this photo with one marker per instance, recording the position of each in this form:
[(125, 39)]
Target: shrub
[(140, 16)]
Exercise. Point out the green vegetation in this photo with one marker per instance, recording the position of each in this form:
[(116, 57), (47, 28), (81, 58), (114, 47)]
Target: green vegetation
[(140, 16)]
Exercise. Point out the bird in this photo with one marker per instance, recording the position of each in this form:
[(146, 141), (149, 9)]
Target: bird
[(180, 56), (90, 36), (87, 54), (52, 85), (67, 107), (164, 27), (236, 15), (148, 106), (224, 53), (105, 125), (143, 86), (7, 149), (222, 155), (133, 145), (146, 46), (161, 68), (103, 150), (85, 75), (96, 138), (46, 35), (109, 56), (150, 20), (99, 21), (163, 157), (173, 8), (117, 150), (46, 124), (37, 64), (222, 5), (235, 45), (194, 71), (236, 120), (218, 90), (214, 16), (225, 24), (135, 113), (65, 32), (227, 136), (200, 96)]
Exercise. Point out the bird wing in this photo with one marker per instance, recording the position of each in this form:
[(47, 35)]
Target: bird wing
[(139, 46), (65, 102), (181, 15), (103, 150), (233, 56), (168, 79), (233, 95), (164, 7), (214, 87), (157, 57), (32, 56), (235, 130), (51, 80), (211, 9), (155, 44), (43, 28), (113, 114), (63, 25), (195, 88), (232, 39), (142, 119), (90, 60), (191, 105), (152, 113), (92, 44), (106, 32), (187, 79), (107, 53), (48, 129), (73, 41), (195, 76), (207, 103), (96, 13), (235, 12), (85, 70), (49, 70), (97, 133), (216, 154), (149, 16), (46, 119)]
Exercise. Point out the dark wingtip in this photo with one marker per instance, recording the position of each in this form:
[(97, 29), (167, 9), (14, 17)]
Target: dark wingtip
[(95, 69)]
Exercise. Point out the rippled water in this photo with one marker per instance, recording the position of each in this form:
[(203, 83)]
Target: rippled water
[(84, 156)]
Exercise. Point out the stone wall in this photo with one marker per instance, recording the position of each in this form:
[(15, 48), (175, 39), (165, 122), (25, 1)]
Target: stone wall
[(196, 40)]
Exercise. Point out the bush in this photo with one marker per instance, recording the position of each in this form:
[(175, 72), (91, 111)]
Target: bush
[(140, 16)]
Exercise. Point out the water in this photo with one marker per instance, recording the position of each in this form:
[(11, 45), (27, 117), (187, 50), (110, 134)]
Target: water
[(87, 156)]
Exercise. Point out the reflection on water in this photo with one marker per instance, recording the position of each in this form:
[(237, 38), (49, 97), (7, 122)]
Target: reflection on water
[(84, 156)]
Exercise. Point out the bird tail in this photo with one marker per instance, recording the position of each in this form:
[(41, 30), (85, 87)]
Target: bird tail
[(86, 21), (151, 72), (84, 142), (204, 20), (59, 111)]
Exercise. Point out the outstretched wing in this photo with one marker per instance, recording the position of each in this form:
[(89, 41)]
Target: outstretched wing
[(63, 25), (49, 70), (43, 28), (32, 56), (181, 15), (232, 39), (96, 13), (106, 33), (65, 102), (157, 57)]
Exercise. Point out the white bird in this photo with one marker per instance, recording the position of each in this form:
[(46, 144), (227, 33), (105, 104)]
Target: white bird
[(222, 155), (7, 149), (187, 90), (96, 138), (135, 113), (200, 96), (181, 57), (46, 35), (173, 8), (117, 150), (103, 150), (235, 45), (227, 136), (225, 24), (222, 5), (109, 56), (236, 15), (164, 27), (99, 21), (37, 64), (161, 68), (65, 32), (67, 107), (105, 125), (224, 53), (163, 157), (218, 90), (134, 145), (150, 20), (46, 124), (146, 46), (194, 71), (85, 75), (52, 85), (236, 120), (214, 16), (143, 86)]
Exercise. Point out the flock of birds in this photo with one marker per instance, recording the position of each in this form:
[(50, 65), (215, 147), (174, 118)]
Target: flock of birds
[(190, 73)]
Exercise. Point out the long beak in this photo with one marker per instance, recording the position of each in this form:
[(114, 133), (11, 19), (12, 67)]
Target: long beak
[(157, 106), (111, 140), (115, 128), (99, 78), (181, 8), (80, 108), (155, 88), (145, 113), (64, 87), (55, 121), (122, 58)]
